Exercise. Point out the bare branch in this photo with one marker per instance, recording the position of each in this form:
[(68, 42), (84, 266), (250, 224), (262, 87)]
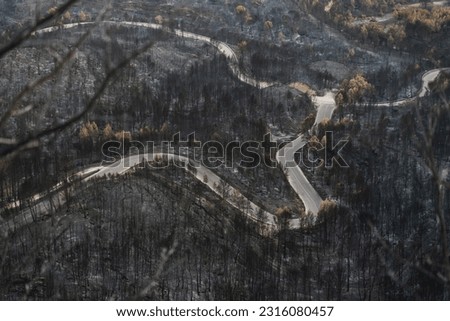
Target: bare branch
[(22, 111), (27, 32), (18, 148), (166, 254), (7, 141), (92, 103), (430, 162), (399, 258), (37, 83), (62, 61)]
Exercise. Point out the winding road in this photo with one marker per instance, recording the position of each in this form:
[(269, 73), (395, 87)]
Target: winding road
[(389, 17), (427, 78), (268, 222)]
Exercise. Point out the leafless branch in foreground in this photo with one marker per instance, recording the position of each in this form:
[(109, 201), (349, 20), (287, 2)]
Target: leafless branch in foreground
[(33, 85), (166, 254), (92, 103), (27, 32)]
